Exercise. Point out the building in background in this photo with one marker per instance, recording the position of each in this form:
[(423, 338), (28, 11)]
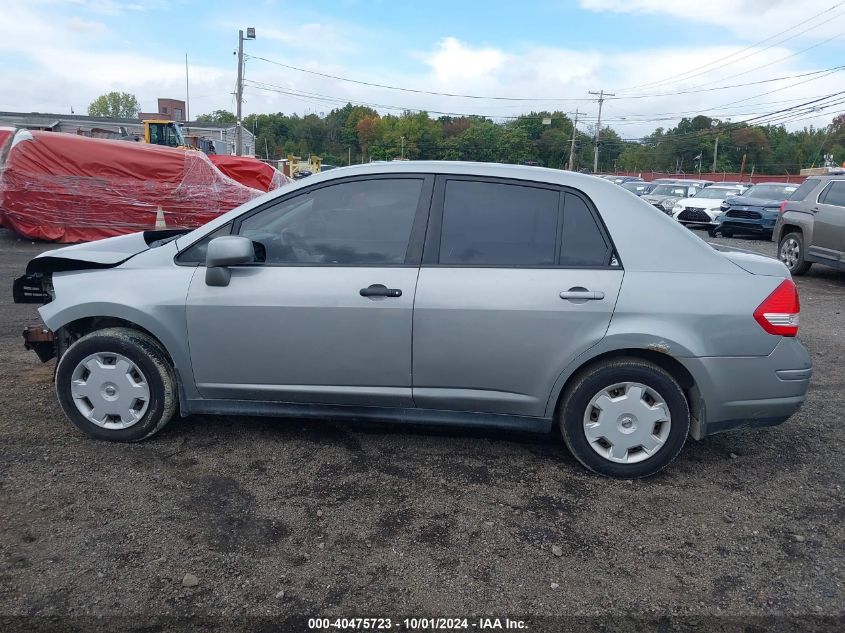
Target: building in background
[(218, 138)]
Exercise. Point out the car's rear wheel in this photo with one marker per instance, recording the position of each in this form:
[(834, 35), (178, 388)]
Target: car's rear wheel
[(117, 384), (624, 418), (791, 253)]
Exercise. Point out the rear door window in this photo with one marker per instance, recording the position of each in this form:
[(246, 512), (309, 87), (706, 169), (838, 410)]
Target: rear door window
[(583, 243), (834, 194), (498, 224)]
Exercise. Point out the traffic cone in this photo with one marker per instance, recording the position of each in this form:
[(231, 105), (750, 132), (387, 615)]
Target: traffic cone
[(160, 223)]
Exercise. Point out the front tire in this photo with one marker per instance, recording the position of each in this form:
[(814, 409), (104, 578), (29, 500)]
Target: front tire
[(625, 418), (117, 384), (791, 253)]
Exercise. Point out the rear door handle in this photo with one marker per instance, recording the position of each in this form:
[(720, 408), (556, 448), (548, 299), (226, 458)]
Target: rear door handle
[(582, 294), (380, 290)]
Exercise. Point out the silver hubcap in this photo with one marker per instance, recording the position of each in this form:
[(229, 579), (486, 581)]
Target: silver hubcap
[(627, 422), (110, 390), (790, 251)]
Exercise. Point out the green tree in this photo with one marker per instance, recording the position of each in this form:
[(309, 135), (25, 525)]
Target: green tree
[(121, 105), (218, 116)]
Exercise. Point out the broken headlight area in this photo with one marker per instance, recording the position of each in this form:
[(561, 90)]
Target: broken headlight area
[(33, 288)]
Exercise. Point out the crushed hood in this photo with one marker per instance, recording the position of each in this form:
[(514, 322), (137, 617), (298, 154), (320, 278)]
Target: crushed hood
[(106, 253)]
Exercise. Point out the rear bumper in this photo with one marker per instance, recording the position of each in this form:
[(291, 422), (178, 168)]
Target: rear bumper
[(749, 392)]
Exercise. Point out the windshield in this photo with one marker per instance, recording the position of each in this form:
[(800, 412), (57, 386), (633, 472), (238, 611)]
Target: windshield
[(716, 193), (771, 192), (669, 190)]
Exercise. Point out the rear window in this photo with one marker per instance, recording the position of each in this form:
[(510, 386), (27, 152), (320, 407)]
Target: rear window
[(493, 224), (804, 190)]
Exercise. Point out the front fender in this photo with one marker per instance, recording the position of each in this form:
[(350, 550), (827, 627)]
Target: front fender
[(153, 299)]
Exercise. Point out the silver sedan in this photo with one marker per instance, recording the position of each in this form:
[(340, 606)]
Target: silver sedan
[(429, 292)]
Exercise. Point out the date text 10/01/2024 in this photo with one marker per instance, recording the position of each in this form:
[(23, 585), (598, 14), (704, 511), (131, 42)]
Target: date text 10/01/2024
[(413, 624)]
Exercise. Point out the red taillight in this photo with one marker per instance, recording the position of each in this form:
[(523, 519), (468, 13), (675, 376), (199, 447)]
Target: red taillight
[(778, 314), (783, 206)]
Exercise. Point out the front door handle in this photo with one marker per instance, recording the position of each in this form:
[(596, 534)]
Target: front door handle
[(380, 290), (582, 294)]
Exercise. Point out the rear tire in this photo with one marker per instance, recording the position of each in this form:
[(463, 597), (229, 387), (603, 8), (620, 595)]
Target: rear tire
[(117, 384), (791, 253), (625, 418)]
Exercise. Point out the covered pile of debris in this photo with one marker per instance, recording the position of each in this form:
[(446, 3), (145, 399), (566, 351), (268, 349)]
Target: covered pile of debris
[(67, 188)]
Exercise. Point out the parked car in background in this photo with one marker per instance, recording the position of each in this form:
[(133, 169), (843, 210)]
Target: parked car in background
[(429, 292), (755, 211), (623, 179), (811, 227), (664, 196), (695, 181), (733, 183), (639, 187), (702, 209)]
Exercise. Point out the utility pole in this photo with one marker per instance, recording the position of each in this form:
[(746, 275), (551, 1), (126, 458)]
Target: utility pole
[(250, 35), (240, 94), (349, 160), (602, 96), (715, 153), (403, 148), (187, 92), (572, 142)]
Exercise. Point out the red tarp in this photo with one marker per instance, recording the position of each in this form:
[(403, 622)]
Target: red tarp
[(5, 136), (250, 171), (68, 188)]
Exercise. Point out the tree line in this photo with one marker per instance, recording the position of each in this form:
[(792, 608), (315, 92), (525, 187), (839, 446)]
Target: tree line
[(359, 133)]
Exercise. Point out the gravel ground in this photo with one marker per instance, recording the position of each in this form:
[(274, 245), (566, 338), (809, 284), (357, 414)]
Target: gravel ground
[(284, 519)]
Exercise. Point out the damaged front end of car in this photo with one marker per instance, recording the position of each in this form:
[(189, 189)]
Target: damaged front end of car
[(36, 285)]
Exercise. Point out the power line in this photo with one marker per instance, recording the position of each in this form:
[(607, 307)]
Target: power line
[(777, 61), (413, 90), (683, 76)]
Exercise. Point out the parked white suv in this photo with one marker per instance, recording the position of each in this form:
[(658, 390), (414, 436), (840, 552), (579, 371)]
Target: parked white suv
[(701, 209)]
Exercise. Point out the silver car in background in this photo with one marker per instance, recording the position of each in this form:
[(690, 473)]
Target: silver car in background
[(429, 292)]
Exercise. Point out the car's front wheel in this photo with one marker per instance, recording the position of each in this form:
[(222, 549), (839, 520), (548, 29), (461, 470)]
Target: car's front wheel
[(624, 418), (791, 253), (117, 384)]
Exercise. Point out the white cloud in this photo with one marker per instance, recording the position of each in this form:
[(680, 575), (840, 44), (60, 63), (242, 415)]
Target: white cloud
[(750, 19), (54, 66), (89, 27)]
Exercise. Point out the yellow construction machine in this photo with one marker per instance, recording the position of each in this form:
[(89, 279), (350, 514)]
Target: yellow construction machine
[(164, 132)]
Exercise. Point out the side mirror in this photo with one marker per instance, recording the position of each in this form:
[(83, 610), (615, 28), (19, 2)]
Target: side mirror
[(229, 250)]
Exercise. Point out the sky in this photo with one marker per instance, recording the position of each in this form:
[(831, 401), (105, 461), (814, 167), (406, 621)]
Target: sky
[(663, 59)]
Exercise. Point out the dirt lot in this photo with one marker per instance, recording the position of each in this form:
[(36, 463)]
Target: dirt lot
[(379, 521)]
